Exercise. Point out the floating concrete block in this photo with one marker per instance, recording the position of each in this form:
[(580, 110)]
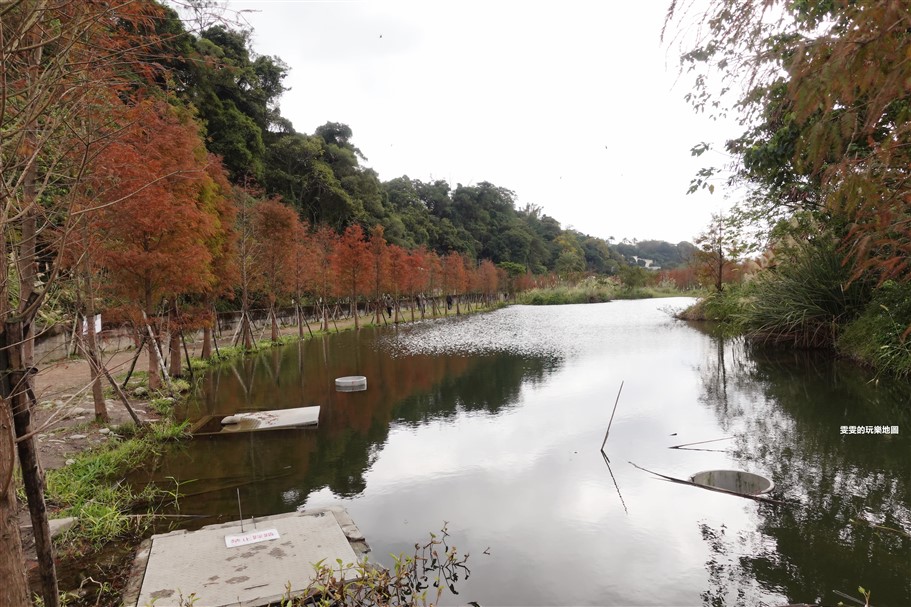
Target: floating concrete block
[(351, 383), (299, 417)]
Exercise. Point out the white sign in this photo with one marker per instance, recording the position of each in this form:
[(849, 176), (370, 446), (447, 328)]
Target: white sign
[(85, 327), (232, 541)]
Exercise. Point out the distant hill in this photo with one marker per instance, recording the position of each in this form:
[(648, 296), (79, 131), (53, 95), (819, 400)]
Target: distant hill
[(663, 254)]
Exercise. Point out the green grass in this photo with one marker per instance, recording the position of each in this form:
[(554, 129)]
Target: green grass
[(594, 290), (588, 291), (721, 306), (93, 490), (880, 336)]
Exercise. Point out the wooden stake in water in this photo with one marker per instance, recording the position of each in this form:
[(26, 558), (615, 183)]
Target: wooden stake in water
[(612, 416), (239, 512)]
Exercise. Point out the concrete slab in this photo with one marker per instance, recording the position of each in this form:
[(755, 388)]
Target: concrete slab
[(59, 526), (247, 575), (298, 417)]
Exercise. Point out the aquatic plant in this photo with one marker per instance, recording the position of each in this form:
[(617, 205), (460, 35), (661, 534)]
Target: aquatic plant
[(420, 578)]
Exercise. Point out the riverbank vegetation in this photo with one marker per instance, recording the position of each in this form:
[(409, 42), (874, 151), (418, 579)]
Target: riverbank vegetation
[(820, 168), (640, 284), (148, 174)]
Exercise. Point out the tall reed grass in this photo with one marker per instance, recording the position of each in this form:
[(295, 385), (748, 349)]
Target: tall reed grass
[(806, 300)]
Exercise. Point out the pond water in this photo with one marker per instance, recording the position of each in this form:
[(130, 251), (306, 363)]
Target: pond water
[(493, 424)]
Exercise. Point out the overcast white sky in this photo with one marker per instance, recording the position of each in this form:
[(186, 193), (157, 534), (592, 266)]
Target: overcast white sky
[(573, 105)]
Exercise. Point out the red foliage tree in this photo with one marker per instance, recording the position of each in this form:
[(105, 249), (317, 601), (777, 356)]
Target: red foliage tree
[(350, 260), (399, 270), (454, 278), (490, 279), (155, 220), (434, 283), (415, 281), (302, 270), (379, 267), (276, 228), (223, 247), (322, 280)]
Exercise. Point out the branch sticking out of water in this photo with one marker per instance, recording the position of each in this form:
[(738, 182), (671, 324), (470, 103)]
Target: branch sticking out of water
[(607, 461), (702, 442), (757, 498), (611, 418)]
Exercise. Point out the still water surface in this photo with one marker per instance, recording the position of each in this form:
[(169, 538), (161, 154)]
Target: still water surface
[(493, 423)]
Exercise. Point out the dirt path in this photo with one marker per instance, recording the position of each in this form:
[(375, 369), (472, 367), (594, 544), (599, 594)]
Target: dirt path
[(65, 414)]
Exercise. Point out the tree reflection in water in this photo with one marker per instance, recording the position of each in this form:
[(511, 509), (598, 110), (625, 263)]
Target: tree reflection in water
[(276, 470), (786, 410)]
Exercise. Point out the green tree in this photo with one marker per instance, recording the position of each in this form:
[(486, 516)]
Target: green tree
[(571, 258), (236, 93), (822, 88), (633, 277), (719, 249)]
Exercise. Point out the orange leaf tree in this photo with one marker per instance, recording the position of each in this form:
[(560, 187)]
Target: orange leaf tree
[(302, 269), (379, 267), (276, 228), (154, 220), (454, 278), (322, 280), (350, 260), (490, 279), (220, 202), (398, 278), (415, 278)]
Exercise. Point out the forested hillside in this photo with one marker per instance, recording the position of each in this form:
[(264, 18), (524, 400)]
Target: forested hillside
[(326, 178)]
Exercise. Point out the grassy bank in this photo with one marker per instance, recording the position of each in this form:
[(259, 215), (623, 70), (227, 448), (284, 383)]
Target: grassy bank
[(810, 300), (595, 291)]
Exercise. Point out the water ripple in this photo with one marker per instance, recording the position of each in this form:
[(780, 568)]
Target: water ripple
[(512, 330)]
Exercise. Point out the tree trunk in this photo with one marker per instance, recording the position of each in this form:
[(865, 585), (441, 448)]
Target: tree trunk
[(101, 411), (154, 373), (14, 586), (17, 360), (206, 351), (154, 377), (274, 323), (14, 589), (17, 388), (247, 331), (175, 366)]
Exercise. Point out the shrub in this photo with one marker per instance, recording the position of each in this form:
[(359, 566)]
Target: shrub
[(879, 336), (418, 579), (806, 299)]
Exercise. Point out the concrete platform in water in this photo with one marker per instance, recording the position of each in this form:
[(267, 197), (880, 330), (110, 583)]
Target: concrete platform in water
[(276, 419), (225, 566)]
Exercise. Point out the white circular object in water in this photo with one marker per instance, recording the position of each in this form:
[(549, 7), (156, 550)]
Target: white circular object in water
[(734, 480), (351, 383)]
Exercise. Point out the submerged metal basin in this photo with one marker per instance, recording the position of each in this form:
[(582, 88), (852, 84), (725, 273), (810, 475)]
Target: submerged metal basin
[(734, 480)]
